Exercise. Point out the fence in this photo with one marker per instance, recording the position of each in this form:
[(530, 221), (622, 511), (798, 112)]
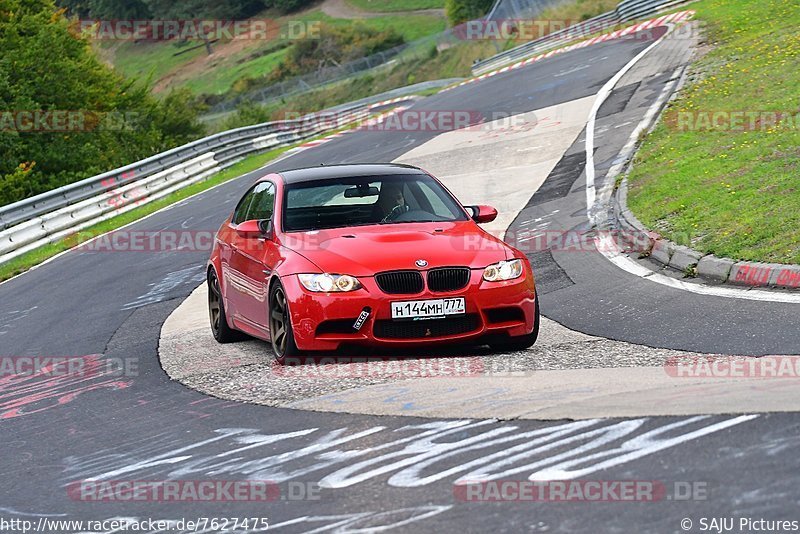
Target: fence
[(627, 10), (405, 52), (303, 83)]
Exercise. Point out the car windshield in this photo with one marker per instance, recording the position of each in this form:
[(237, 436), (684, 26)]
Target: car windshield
[(361, 201)]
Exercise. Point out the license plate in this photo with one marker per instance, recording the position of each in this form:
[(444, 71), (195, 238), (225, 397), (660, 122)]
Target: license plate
[(428, 309)]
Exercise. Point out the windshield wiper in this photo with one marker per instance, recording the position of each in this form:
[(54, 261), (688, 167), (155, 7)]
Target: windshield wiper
[(410, 222)]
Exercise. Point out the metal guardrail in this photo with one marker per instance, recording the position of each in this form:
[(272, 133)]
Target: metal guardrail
[(29, 208), (546, 42), (392, 93), (633, 9), (627, 10), (45, 218)]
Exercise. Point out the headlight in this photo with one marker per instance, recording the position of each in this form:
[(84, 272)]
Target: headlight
[(329, 283), (505, 270)]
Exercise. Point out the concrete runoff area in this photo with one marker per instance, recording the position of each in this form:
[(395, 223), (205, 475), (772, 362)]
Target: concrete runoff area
[(566, 375), (504, 161)]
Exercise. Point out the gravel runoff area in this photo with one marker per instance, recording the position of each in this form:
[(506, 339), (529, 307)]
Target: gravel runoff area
[(246, 371)]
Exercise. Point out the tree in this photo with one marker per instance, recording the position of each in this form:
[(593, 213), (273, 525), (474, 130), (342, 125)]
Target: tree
[(115, 122), (118, 9), (177, 9), (203, 9), (287, 6)]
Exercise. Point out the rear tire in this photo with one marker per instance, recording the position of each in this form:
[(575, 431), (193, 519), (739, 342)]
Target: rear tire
[(280, 325), (216, 313), (518, 343)]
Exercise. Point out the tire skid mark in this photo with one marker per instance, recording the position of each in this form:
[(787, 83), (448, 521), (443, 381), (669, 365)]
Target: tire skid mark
[(47, 387), (412, 456)]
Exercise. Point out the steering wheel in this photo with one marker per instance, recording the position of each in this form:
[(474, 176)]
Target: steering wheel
[(396, 212)]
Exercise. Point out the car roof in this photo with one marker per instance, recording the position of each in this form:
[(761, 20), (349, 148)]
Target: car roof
[(328, 172)]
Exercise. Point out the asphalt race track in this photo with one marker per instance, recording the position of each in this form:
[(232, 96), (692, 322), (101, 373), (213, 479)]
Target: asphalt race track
[(389, 472)]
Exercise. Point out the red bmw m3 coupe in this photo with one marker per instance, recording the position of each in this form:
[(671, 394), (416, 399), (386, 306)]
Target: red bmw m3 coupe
[(380, 255)]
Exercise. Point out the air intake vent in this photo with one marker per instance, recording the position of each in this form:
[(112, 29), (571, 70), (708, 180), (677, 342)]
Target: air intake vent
[(337, 326), (433, 328), (400, 282), (505, 315), (448, 279)]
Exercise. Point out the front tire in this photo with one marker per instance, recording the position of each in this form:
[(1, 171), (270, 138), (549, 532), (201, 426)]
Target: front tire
[(521, 342), (216, 313), (280, 325)]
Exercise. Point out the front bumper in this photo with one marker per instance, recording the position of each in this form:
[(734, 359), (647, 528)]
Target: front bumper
[(323, 321)]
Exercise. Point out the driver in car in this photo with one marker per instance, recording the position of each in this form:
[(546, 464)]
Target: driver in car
[(391, 203)]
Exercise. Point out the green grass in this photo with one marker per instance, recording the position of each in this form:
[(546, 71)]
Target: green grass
[(411, 27), (385, 6), (220, 81), (450, 63), (156, 61), (139, 61), (578, 11), (732, 192)]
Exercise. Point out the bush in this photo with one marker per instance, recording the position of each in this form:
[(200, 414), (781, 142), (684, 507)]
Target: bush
[(336, 45), (460, 11), (247, 114), (287, 6), (177, 9), (118, 123)]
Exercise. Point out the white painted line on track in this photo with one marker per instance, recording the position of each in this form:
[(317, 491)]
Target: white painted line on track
[(602, 96), (607, 246)]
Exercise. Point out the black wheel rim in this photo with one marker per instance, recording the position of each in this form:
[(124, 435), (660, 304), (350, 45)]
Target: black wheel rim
[(214, 304), (278, 322)]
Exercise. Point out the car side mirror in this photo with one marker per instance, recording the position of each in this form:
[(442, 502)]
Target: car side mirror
[(267, 229), (483, 214), (255, 229)]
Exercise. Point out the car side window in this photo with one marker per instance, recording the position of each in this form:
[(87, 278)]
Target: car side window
[(240, 213), (263, 203)]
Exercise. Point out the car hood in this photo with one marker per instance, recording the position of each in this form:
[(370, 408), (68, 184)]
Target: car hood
[(364, 251)]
